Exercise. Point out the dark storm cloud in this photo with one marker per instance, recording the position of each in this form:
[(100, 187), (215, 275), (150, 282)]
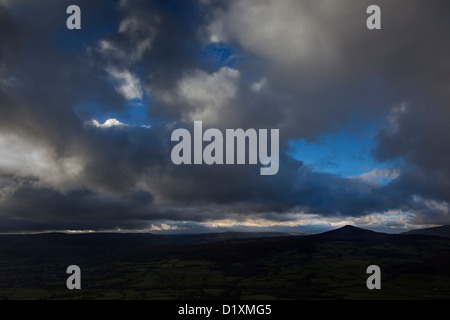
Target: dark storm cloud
[(47, 209), (243, 190), (323, 64), (303, 67), (346, 71)]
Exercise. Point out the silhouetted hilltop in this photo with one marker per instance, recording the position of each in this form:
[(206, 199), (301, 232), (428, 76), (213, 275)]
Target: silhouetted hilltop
[(351, 233), (442, 231)]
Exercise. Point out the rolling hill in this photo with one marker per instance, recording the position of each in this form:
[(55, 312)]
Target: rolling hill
[(331, 265), (442, 231)]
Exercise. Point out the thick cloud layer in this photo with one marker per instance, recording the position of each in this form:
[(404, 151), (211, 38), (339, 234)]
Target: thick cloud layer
[(304, 67)]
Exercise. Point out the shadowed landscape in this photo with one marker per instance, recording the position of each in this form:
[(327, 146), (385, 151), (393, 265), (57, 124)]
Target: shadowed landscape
[(331, 265)]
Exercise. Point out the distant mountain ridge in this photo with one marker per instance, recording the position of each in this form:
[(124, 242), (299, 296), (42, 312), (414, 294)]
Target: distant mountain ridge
[(224, 265), (57, 244), (442, 231)]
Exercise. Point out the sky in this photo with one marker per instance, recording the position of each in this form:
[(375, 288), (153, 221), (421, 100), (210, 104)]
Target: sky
[(87, 115)]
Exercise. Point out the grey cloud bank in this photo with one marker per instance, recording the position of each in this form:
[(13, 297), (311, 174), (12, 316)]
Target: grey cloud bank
[(303, 67)]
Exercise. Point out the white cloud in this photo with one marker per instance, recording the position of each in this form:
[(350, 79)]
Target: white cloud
[(395, 115), (209, 90), (378, 176), (203, 95), (20, 156), (107, 124), (390, 221), (258, 86), (26, 158), (284, 32), (109, 48), (137, 36), (126, 83), (110, 123), (162, 227)]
